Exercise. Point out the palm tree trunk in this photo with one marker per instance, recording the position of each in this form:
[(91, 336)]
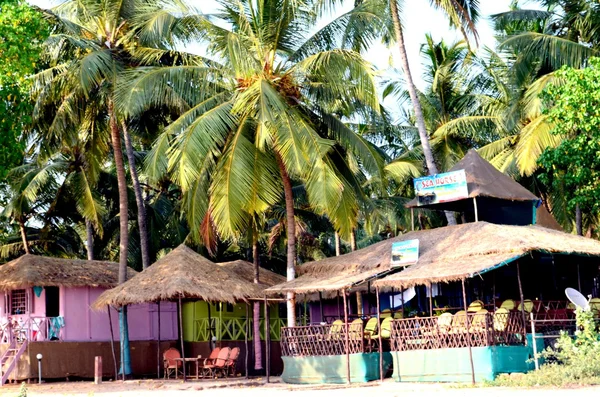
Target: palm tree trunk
[(337, 244), (291, 239), (139, 200), (412, 90), (24, 236), (89, 245), (256, 309), (123, 232), (359, 300)]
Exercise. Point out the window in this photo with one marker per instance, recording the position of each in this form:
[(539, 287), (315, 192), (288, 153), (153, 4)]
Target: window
[(18, 301)]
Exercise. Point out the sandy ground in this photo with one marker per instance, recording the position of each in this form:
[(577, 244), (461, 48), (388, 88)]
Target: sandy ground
[(258, 388)]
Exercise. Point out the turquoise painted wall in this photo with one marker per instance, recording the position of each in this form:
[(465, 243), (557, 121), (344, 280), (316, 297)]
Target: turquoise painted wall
[(364, 367)]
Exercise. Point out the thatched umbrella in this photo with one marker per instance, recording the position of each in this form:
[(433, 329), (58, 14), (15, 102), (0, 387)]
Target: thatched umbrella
[(184, 274)]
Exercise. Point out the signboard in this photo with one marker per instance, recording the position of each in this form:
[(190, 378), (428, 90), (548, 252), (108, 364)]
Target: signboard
[(441, 188), (405, 253)]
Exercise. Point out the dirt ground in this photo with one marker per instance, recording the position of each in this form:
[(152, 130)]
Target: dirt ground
[(258, 388)]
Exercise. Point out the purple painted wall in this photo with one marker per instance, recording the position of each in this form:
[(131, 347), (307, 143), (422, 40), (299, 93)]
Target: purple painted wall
[(85, 324)]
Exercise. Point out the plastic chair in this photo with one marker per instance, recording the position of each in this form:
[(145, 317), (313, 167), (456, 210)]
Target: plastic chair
[(220, 362), (170, 365), (475, 306), (478, 324), (527, 306), (508, 304), (501, 319)]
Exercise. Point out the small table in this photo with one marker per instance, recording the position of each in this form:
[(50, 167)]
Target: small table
[(191, 360)]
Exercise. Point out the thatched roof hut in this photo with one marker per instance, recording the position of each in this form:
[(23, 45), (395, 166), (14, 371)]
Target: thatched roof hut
[(33, 270), (245, 270), (445, 254), (183, 273)]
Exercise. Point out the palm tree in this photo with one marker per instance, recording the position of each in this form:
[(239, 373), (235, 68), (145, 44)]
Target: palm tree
[(94, 42), (463, 15), (257, 117)]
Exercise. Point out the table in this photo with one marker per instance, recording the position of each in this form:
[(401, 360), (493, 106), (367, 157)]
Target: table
[(191, 360)]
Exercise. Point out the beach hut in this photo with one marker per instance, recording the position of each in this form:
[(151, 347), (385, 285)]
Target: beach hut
[(181, 276), (484, 254), (45, 308)]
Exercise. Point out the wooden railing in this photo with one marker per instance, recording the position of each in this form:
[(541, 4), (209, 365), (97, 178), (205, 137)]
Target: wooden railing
[(321, 340), (31, 329), (234, 328), (476, 330)]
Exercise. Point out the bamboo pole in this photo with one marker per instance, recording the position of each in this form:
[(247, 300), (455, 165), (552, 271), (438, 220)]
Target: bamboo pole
[(181, 336), (468, 333), (475, 208), (522, 304), (247, 331), (158, 347), (379, 336), (112, 343), (347, 342)]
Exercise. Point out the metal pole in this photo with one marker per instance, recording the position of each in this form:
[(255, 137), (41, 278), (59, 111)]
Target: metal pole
[(347, 337), (535, 352), (468, 333), (246, 336), (412, 219), (475, 208), (321, 305), (112, 343), (379, 335), (522, 299), (158, 347), (267, 341), (181, 336), (39, 369)]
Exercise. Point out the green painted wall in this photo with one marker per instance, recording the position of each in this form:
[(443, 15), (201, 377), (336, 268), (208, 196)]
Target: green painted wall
[(453, 365), (364, 367)]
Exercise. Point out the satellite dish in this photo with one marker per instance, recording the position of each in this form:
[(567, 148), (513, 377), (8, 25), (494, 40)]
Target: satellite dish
[(577, 298)]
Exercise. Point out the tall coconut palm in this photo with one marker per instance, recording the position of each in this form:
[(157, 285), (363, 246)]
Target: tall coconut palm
[(94, 42), (256, 117)]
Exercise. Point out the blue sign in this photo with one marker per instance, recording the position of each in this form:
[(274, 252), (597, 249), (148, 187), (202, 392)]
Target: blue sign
[(405, 253), (441, 188)]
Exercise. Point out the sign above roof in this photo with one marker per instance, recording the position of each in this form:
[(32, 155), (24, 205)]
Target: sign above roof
[(441, 188), (405, 253)]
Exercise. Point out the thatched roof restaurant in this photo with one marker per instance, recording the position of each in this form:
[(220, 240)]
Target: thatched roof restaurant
[(245, 270), (183, 273), (445, 254), (42, 271)]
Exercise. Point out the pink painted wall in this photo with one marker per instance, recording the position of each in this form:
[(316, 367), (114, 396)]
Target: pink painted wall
[(38, 304), (84, 324)]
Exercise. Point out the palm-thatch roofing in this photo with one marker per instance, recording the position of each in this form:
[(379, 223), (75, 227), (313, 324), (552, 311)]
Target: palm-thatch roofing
[(34, 270), (445, 254), (245, 270), (484, 180), (183, 273)]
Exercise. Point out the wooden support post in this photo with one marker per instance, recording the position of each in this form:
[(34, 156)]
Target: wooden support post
[(430, 301), (338, 305), (158, 360), (412, 219), (535, 352), (247, 331), (267, 340), (381, 374), (359, 304), (402, 300), (522, 299), (112, 342), (347, 339), (321, 305), (468, 333), (181, 336), (475, 209), (97, 370)]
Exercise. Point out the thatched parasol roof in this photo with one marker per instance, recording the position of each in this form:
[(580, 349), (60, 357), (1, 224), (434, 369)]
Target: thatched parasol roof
[(484, 180), (445, 254), (33, 270), (245, 270), (183, 273)]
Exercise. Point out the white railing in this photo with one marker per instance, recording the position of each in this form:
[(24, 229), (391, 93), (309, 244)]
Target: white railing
[(32, 329)]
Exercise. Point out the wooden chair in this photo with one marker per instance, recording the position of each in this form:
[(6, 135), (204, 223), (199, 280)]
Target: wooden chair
[(231, 363), (385, 313), (475, 306), (460, 322), (508, 304), (444, 323), (355, 329), (335, 332), (595, 306), (478, 324), (501, 319), (211, 359), (371, 327), (170, 365), (385, 329), (219, 364)]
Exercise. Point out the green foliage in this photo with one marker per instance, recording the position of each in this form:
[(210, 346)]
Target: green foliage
[(23, 390), (572, 361), (22, 30), (574, 110)]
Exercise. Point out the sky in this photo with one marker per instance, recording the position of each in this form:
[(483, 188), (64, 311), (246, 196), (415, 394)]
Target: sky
[(418, 19)]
